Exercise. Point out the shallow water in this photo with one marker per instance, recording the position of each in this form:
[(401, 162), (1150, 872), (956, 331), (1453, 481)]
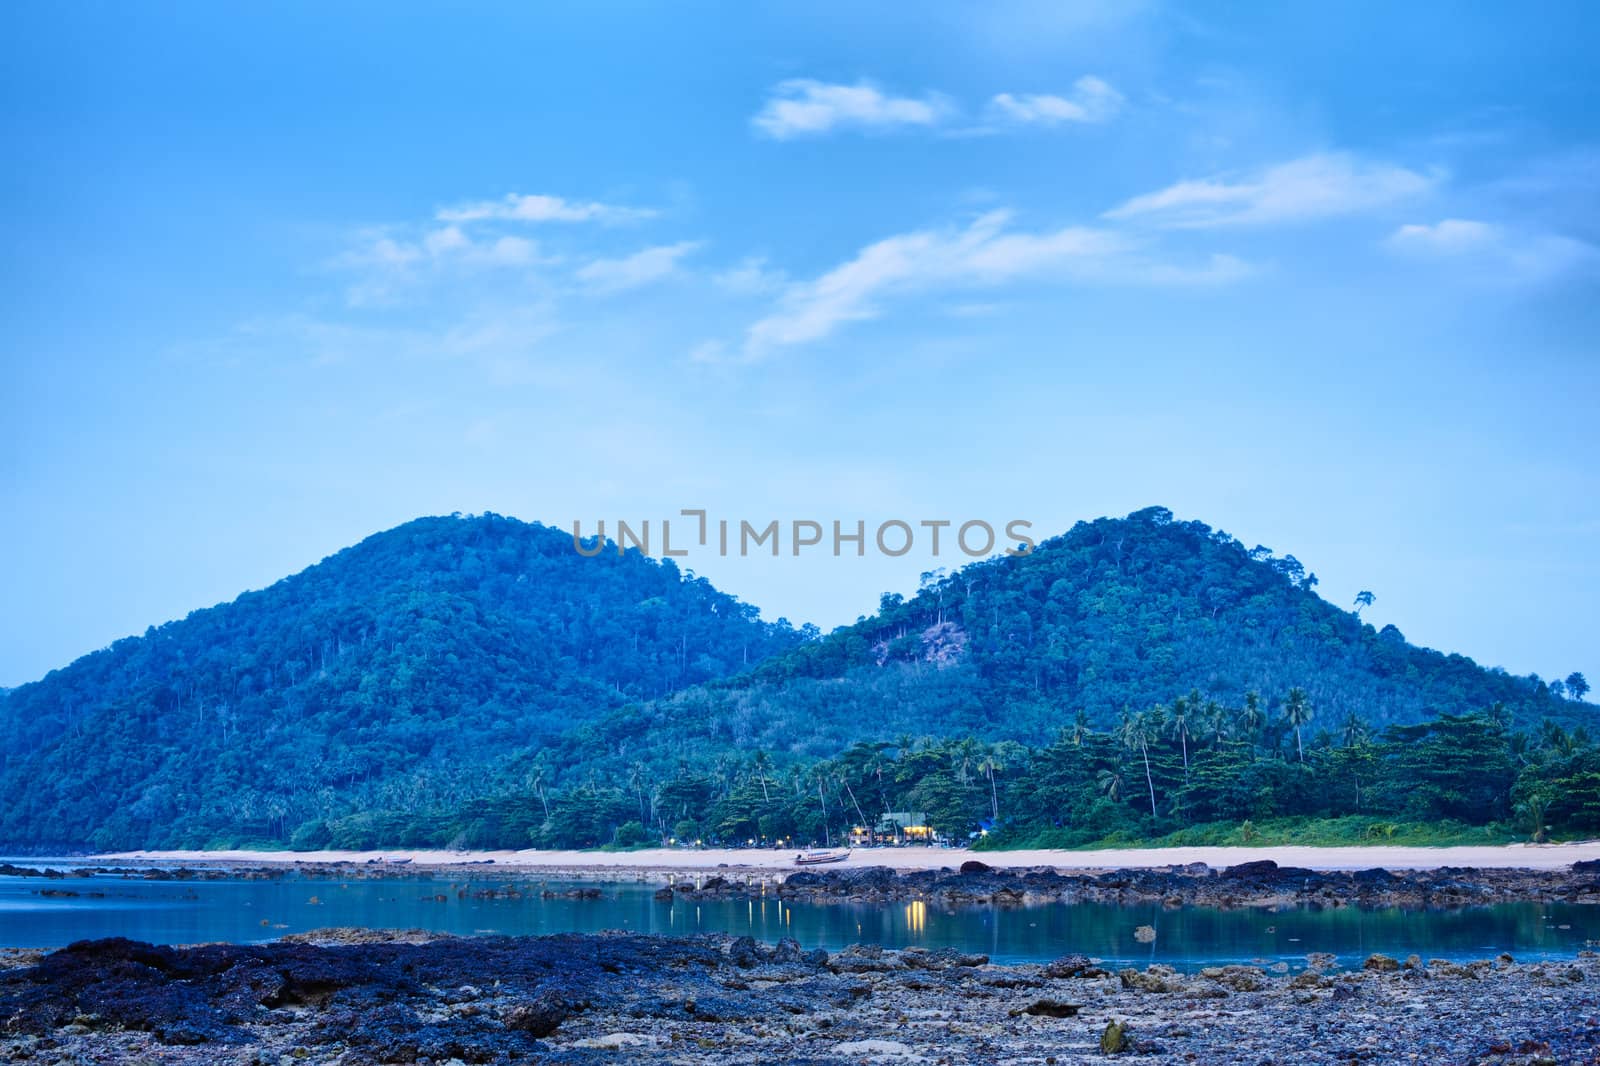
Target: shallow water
[(181, 912)]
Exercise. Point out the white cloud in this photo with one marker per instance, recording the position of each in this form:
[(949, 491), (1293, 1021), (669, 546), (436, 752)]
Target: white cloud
[(640, 268), (385, 265), (1316, 186), (536, 208), (1493, 252), (984, 253), (1449, 237), (750, 277), (802, 107), (1092, 100)]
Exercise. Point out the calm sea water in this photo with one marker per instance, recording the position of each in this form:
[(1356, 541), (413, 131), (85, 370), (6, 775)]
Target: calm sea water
[(178, 912)]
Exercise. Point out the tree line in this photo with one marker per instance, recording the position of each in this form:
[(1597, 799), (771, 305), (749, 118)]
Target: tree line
[(1188, 770)]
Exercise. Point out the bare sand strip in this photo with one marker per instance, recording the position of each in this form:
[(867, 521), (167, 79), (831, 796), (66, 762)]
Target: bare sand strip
[(633, 864)]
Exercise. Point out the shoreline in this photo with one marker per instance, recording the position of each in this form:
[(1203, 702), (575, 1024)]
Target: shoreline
[(666, 861), (337, 996)]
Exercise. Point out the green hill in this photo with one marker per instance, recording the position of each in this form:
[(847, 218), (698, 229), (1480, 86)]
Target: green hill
[(475, 681), (1116, 614), (387, 674)]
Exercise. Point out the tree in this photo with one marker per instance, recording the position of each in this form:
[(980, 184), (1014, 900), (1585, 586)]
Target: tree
[(1179, 721), (762, 761), (1080, 727), (1137, 733), (989, 767), (1251, 717), (1297, 712), (1577, 685), (1363, 599)]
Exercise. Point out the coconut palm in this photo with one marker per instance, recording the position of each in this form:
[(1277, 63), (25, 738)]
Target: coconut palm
[(1297, 712), (762, 761), (1137, 732), (1178, 722), (1251, 716), (989, 767)]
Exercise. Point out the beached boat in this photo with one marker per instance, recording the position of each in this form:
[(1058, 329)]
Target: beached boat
[(818, 858)]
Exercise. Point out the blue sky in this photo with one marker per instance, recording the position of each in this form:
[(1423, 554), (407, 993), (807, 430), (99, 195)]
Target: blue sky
[(1323, 277)]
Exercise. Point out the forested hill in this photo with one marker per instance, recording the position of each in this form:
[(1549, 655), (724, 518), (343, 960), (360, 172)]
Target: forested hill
[(390, 673), (1117, 614), (456, 662)]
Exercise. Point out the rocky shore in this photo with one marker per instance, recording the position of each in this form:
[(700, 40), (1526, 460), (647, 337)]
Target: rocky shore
[(1261, 883), (1253, 884), (359, 997)]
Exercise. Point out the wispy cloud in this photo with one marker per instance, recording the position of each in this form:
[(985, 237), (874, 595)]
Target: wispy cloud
[(641, 268), (515, 207), (804, 107), (1312, 187), (1493, 251), (1092, 100), (983, 253), (1452, 236), (750, 277), (386, 263)]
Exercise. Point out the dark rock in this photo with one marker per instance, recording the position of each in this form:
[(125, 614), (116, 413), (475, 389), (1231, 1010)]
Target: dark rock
[(539, 1017), (1072, 966), (1245, 870), (1050, 1008), (973, 866), (742, 952), (787, 950)]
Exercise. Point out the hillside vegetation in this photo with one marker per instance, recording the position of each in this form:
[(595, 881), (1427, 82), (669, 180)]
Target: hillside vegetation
[(474, 681), (389, 674)]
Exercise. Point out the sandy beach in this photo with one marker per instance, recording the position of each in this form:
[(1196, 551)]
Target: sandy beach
[(663, 860)]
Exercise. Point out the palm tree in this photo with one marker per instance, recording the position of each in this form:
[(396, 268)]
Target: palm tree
[(762, 761), (636, 783), (1180, 728), (538, 786), (1251, 717), (1297, 712), (1137, 732), (1080, 727), (1110, 783), (822, 798), (845, 781), (989, 767), (1356, 731)]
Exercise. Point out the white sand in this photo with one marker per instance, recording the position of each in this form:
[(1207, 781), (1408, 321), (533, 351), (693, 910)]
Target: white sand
[(1526, 856)]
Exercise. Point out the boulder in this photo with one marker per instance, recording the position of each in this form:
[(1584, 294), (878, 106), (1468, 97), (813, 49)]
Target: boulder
[(539, 1017), (1245, 870)]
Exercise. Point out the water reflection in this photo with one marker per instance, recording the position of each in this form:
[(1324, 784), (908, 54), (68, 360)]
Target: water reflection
[(32, 914)]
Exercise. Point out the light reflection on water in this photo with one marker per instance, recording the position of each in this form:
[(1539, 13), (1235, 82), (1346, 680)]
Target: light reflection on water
[(246, 910)]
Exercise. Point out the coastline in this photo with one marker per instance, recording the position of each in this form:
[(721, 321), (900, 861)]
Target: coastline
[(340, 996), (676, 860)]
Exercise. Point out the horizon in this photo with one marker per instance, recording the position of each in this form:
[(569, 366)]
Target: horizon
[(281, 280)]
